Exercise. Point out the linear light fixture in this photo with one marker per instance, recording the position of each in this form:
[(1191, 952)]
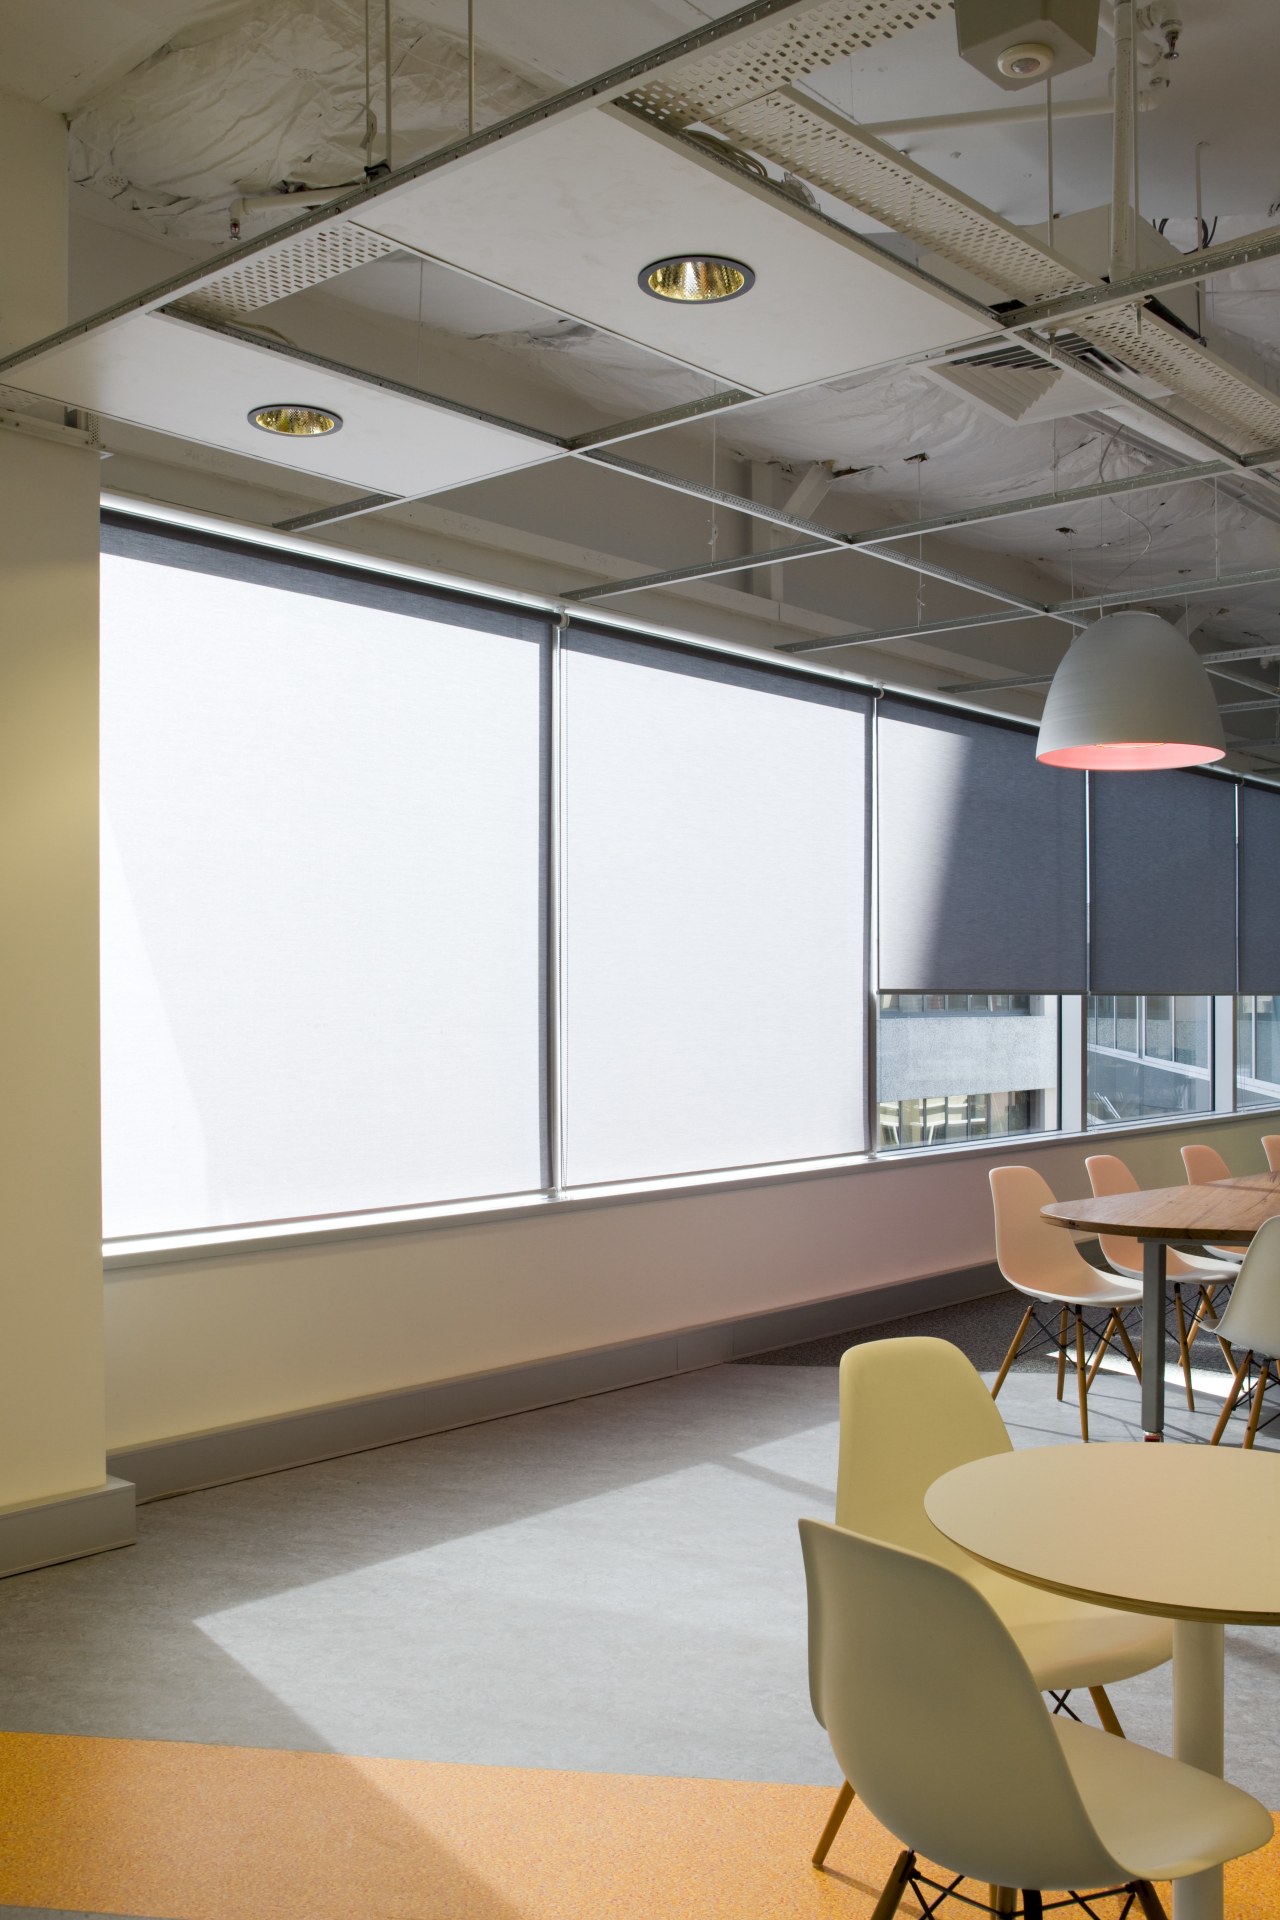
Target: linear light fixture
[(299, 422), (1130, 695), (695, 279)]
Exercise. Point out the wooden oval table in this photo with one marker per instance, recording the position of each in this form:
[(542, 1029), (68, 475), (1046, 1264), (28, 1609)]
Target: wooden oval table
[(1189, 1533), (1226, 1213)]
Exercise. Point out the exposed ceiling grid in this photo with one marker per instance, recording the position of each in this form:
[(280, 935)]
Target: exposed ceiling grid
[(840, 357)]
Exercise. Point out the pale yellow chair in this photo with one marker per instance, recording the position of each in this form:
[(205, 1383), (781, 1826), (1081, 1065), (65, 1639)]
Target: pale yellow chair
[(1108, 1174), (1043, 1262), (1251, 1324), (909, 1411), (935, 1718), (1271, 1147)]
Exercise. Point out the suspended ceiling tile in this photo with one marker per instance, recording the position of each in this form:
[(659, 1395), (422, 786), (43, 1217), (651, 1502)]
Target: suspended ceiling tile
[(571, 213), (183, 379)]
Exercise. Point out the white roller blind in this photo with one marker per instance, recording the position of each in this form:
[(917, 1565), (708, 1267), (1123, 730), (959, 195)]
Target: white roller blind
[(714, 914), (321, 898)]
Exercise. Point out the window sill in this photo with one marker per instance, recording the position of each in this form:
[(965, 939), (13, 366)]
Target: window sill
[(129, 1255)]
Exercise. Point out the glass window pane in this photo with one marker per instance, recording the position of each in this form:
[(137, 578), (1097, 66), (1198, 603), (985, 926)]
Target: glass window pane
[(1001, 1048), (1258, 1050), (1153, 1059), (714, 924), (320, 904)]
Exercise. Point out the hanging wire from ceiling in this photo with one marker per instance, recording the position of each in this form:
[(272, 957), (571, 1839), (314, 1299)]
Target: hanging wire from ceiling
[(471, 67), (386, 51)]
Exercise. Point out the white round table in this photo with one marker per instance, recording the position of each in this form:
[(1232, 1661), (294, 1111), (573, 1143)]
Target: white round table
[(1189, 1533)]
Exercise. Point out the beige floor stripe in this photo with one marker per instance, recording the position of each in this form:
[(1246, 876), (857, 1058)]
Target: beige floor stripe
[(187, 1832)]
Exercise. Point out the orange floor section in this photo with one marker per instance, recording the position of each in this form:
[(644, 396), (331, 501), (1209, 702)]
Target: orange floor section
[(185, 1832)]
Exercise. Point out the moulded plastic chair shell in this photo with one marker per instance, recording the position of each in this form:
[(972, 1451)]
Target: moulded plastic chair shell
[(1204, 1164), (912, 1409), (1271, 1147), (1252, 1317), (1042, 1260), (1108, 1174), (911, 1671)]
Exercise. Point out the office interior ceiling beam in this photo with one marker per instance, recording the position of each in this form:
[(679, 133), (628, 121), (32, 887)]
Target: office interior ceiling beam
[(1058, 610), (870, 541), (1226, 257)]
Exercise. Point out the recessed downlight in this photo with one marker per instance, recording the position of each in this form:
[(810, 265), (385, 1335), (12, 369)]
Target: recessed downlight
[(697, 278), (297, 422)]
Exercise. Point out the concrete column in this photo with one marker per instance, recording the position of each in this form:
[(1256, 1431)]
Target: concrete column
[(55, 1500)]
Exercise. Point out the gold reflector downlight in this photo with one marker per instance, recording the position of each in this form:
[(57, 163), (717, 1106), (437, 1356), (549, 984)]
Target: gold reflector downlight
[(295, 421), (695, 279)]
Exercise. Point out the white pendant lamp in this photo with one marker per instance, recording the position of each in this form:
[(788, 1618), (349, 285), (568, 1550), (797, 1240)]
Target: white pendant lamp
[(1131, 695)]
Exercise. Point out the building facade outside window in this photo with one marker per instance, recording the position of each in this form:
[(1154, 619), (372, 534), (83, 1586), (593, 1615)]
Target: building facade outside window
[(1258, 1050), (965, 1066), (1147, 1054)]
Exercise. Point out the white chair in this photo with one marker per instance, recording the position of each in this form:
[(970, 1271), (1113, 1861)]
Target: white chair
[(910, 1410), (1043, 1263), (1251, 1324), (936, 1721), (1108, 1174), (1271, 1147)]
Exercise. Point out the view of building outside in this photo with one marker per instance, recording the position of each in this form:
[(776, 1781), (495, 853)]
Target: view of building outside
[(965, 1066), (1147, 1054), (1258, 1050)]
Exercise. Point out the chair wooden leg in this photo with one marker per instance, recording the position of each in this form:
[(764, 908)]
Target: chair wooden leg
[(1149, 1900), (1009, 1358), (1063, 1322), (844, 1800), (1081, 1383), (1131, 1352), (1106, 1712), (1229, 1404), (1108, 1335), (1256, 1408), (1004, 1900), (894, 1888), (1184, 1346)]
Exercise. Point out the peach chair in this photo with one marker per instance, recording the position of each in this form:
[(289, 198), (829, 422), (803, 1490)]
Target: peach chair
[(1204, 1165), (910, 1410), (934, 1716), (1271, 1147), (1043, 1263), (1108, 1174)]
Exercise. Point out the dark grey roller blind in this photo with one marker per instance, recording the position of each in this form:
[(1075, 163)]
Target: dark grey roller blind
[(981, 859), (1164, 883), (1259, 890)]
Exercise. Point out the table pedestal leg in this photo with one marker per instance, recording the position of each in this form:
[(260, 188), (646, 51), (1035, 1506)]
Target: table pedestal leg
[(1154, 1264), (1197, 1739)]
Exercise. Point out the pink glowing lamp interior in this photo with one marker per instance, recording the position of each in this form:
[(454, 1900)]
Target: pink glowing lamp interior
[(1131, 756)]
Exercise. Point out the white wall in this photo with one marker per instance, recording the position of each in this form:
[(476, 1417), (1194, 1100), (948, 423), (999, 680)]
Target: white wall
[(209, 1342)]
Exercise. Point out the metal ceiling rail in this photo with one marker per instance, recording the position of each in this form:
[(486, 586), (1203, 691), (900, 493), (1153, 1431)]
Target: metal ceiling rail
[(1175, 590), (1193, 267), (871, 540), (920, 630)]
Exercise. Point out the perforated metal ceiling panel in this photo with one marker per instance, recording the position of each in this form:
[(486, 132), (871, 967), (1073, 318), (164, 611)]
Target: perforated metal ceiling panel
[(292, 267)]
